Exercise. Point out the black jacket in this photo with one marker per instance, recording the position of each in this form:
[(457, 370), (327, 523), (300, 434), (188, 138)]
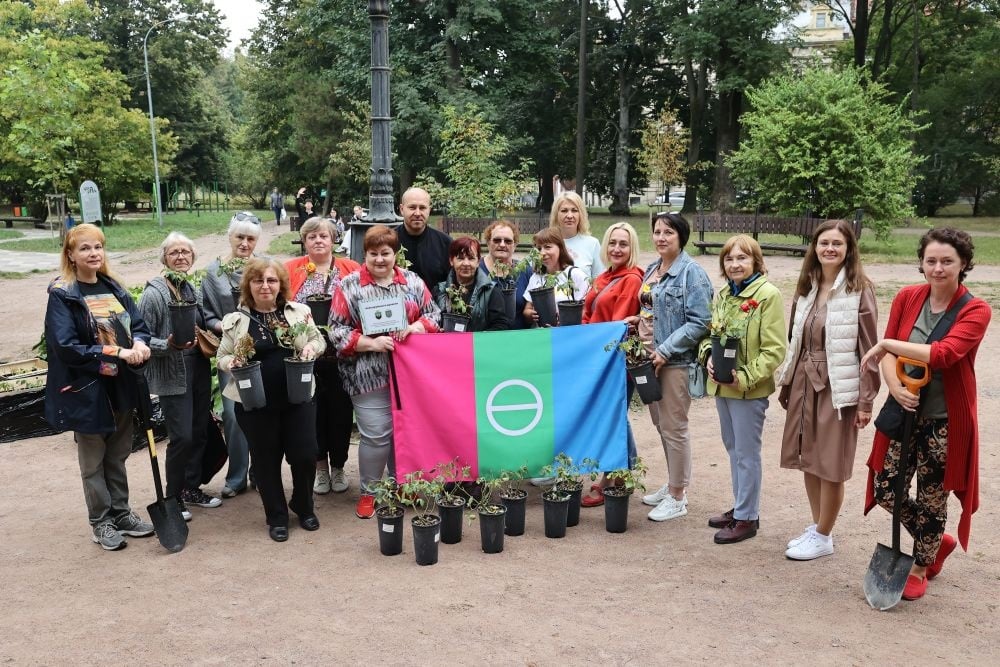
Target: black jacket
[(428, 253)]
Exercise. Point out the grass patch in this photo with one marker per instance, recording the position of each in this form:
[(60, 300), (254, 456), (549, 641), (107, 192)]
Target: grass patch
[(282, 245), (140, 232), (10, 234), (14, 275)]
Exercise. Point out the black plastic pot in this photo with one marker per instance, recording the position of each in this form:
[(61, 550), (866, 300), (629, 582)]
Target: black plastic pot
[(182, 320), (646, 382), (573, 509), (454, 322), (319, 304), (543, 299), (509, 302), (570, 313), (491, 529), (514, 525), (390, 532), (724, 357), (425, 540), (250, 385), (555, 512), (298, 379), (615, 511), (451, 522), (237, 295)]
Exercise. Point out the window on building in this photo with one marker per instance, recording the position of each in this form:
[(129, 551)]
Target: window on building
[(820, 20)]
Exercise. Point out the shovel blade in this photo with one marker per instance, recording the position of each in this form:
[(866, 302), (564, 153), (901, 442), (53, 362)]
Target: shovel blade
[(171, 529), (886, 577)]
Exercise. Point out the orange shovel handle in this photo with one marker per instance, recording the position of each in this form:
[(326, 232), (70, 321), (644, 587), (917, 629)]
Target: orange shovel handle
[(912, 384)]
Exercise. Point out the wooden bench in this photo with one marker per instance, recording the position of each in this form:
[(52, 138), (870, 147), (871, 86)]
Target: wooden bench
[(526, 224), (9, 221), (800, 229)]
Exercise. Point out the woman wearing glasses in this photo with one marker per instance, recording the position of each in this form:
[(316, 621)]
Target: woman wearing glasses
[(279, 429), (501, 242), (221, 288), (179, 374)]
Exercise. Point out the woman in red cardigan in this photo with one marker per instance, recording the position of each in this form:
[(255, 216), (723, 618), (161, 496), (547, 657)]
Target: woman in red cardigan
[(945, 444), (614, 296)]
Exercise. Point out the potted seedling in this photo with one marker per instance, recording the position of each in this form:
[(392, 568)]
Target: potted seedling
[(555, 501), (233, 270), (513, 497), (730, 322), (249, 383), (319, 303), (568, 481), (420, 492), (543, 299), (401, 260), (491, 515), (506, 275), (183, 313), (639, 367), (456, 317), (389, 515), (298, 371), (570, 310), (452, 499), (622, 483)]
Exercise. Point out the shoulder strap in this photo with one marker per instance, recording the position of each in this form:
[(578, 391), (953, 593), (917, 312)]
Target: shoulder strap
[(944, 324)]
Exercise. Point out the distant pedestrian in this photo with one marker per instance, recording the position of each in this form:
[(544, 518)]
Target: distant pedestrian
[(277, 205)]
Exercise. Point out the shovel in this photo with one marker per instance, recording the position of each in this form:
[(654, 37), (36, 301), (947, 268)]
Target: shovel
[(889, 567)]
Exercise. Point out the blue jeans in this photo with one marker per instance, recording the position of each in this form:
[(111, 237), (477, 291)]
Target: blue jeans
[(236, 442), (277, 214), (742, 422)]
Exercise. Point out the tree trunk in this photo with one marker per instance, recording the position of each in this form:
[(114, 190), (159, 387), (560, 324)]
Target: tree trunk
[(861, 30), (620, 205), (451, 49), (546, 192), (726, 139), (697, 85), (581, 101)]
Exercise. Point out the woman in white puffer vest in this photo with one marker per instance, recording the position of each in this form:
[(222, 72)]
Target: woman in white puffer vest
[(827, 397)]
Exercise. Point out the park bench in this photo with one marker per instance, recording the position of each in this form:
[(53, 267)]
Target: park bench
[(9, 221), (800, 229), (526, 224)]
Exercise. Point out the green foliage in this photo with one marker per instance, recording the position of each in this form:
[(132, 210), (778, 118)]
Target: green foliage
[(565, 473), (632, 347), (420, 493), (456, 300), (629, 480), (827, 140), (294, 337), (386, 493), (663, 143)]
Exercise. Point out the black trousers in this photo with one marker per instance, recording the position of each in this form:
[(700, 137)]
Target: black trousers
[(334, 414), (187, 416), (273, 433)]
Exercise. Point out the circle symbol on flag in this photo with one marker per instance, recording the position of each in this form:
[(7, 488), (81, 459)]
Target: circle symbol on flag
[(537, 406)]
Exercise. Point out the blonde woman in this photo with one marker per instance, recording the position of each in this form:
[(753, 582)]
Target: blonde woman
[(569, 215)]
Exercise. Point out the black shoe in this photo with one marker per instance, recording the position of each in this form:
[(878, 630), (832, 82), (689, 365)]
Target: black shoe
[(309, 522), (278, 533)]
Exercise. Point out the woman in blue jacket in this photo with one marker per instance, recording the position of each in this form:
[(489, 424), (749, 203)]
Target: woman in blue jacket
[(93, 329)]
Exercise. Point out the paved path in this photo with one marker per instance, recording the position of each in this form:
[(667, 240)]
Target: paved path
[(25, 262)]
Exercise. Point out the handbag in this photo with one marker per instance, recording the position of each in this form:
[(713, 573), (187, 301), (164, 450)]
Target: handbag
[(697, 380), (892, 415), (207, 341)]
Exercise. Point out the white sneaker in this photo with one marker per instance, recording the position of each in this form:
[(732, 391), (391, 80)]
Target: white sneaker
[(338, 481), (669, 508), (655, 499), (813, 546), (801, 538), (322, 483), (542, 481)]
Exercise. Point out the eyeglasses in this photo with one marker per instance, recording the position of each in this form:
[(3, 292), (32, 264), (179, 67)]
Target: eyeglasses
[(257, 282), (247, 216), (500, 241), (179, 253)]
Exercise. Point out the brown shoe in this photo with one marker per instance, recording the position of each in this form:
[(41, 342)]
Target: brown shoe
[(736, 531), (721, 520)]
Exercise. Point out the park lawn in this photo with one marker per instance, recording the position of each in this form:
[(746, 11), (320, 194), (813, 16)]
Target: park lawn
[(10, 234), (135, 233)]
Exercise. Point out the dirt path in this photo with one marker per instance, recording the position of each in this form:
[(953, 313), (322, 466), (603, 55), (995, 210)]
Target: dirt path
[(657, 594)]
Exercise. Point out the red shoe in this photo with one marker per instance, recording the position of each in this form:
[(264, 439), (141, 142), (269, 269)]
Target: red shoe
[(948, 544), (915, 587), (366, 507), (590, 500)]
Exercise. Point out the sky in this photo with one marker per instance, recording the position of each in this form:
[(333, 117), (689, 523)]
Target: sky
[(240, 18)]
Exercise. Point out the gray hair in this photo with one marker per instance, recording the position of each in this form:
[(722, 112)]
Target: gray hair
[(245, 223), (176, 238), (316, 223)]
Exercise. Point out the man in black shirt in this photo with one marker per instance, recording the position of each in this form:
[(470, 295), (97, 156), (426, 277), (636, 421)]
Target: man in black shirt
[(426, 247)]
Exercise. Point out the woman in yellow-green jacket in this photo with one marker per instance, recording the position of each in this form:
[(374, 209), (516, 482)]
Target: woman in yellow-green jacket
[(748, 308)]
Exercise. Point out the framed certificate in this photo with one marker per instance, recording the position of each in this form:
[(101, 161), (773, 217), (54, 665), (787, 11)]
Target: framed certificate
[(382, 315)]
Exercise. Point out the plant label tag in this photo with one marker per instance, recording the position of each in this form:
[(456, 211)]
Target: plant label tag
[(641, 379), (729, 354), (244, 384), (388, 528), (307, 377), (437, 537), (459, 326)]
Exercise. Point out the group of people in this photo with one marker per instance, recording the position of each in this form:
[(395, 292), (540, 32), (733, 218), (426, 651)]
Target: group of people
[(825, 364)]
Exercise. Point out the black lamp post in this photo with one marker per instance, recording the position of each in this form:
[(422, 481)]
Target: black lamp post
[(381, 207)]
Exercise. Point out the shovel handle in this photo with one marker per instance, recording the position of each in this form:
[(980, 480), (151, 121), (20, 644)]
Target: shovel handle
[(911, 383)]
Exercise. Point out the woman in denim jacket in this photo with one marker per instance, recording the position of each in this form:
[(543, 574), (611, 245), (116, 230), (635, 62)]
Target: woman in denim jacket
[(674, 312)]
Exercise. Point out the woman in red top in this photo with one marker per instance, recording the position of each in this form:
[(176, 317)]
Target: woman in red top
[(615, 296), (945, 442)]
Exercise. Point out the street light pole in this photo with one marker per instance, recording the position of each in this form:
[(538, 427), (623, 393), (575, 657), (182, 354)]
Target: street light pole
[(152, 124), (381, 208)]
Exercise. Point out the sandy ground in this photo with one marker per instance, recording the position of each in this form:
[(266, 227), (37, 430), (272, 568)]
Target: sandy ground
[(656, 594)]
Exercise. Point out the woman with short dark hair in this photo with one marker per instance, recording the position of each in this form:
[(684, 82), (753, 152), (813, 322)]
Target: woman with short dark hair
[(482, 298)]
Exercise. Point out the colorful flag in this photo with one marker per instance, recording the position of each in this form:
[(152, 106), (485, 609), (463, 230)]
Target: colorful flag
[(500, 400)]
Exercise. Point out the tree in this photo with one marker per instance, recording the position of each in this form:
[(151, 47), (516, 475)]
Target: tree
[(824, 140), (663, 144)]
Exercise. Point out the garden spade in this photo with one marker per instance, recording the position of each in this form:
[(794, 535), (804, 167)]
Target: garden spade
[(889, 567)]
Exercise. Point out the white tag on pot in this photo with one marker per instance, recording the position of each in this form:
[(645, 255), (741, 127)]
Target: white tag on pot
[(244, 384), (641, 379), (437, 537), (459, 326), (388, 528), (307, 377), (729, 354)]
